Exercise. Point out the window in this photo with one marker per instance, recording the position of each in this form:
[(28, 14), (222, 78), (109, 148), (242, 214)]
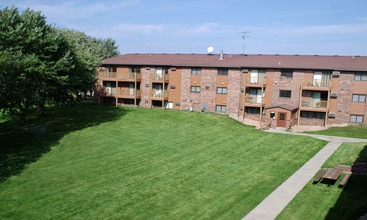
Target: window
[(252, 110), (134, 70), (272, 114), (220, 108), (195, 71), (195, 89), (223, 72), (162, 70), (110, 69), (356, 118), (317, 115), (360, 76), (285, 93), (358, 98), (222, 90), (286, 74)]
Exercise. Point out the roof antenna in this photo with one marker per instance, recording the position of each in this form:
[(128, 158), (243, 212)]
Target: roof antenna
[(245, 35)]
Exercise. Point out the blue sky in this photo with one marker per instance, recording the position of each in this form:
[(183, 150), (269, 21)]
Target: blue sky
[(324, 27)]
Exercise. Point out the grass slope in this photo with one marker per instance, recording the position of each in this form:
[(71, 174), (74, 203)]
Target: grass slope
[(146, 164), (322, 202), (350, 131)]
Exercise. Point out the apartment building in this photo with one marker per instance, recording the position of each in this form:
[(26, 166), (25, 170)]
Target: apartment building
[(275, 90)]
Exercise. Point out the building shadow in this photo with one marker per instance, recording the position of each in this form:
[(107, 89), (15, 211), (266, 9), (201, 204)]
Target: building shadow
[(352, 202), (18, 147)]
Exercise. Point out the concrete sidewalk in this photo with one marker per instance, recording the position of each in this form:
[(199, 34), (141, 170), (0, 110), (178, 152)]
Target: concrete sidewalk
[(275, 202)]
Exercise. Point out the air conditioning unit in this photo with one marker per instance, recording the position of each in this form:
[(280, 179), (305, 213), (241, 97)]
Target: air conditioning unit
[(147, 68), (244, 70), (177, 103), (173, 68), (172, 86), (333, 95), (336, 73), (241, 108), (332, 115), (242, 89)]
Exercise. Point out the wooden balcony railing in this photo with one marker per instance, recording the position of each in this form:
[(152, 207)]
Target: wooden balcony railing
[(256, 81), (108, 91), (129, 93), (316, 83), (159, 77), (317, 104), (254, 100), (158, 94), (107, 74), (129, 76)]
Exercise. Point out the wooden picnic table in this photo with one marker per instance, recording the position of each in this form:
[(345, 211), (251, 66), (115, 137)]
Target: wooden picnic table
[(332, 174)]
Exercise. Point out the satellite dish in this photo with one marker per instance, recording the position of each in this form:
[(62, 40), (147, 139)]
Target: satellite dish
[(210, 50)]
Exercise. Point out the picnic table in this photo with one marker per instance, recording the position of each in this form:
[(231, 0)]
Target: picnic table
[(332, 174)]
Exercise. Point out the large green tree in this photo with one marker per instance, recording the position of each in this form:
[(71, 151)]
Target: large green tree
[(41, 64), (36, 62), (89, 52)]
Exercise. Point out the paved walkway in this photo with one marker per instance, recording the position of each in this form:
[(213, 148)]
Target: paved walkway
[(274, 203)]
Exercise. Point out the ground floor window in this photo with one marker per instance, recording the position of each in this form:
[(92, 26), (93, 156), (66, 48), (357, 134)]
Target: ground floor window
[(356, 118), (317, 115), (272, 114), (253, 110), (220, 108)]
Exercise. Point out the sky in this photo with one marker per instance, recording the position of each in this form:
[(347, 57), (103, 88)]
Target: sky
[(308, 27)]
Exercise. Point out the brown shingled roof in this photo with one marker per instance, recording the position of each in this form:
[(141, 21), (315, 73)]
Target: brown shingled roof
[(286, 106), (358, 63)]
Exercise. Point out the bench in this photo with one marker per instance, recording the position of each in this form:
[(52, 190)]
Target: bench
[(319, 176), (344, 180)]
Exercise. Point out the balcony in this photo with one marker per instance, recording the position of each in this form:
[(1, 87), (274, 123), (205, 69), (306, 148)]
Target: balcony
[(255, 82), (108, 75), (130, 93), (158, 94), (316, 84), (314, 104), (159, 77), (107, 91), (254, 100), (129, 76)]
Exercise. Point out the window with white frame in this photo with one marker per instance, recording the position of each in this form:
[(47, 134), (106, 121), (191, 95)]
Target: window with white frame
[(195, 89), (222, 90), (195, 71), (356, 118), (360, 76), (220, 108), (358, 98)]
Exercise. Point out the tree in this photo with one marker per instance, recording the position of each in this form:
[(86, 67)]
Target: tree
[(37, 62), (89, 51)]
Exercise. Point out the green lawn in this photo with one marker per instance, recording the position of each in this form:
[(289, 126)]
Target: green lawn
[(123, 163), (350, 131), (322, 202)]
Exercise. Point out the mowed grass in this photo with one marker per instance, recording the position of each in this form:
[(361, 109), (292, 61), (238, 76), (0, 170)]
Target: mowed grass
[(320, 201), (145, 164), (353, 131)]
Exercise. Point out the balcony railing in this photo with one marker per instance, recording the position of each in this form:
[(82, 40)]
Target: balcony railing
[(254, 100), (255, 81), (107, 74), (129, 92), (317, 104), (158, 94), (316, 83), (159, 77), (129, 76), (108, 91)]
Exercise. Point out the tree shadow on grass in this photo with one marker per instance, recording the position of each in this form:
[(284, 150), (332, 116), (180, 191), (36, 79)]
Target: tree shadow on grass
[(19, 148), (352, 202)]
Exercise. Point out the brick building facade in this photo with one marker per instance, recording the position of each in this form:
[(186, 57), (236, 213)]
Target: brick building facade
[(277, 90)]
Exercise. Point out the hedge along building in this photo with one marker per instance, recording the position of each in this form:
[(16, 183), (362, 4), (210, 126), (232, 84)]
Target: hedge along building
[(276, 90)]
